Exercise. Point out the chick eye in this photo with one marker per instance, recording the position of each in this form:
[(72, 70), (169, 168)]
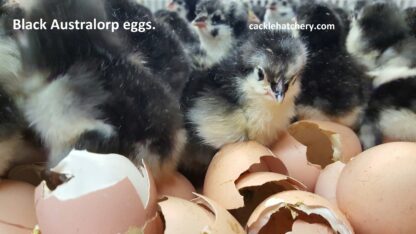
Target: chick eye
[(216, 18), (260, 74)]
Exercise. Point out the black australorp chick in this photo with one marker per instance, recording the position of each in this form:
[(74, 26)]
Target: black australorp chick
[(250, 96), (411, 19), (159, 47), (86, 92), (334, 86), (381, 37), (220, 25), (184, 8), (182, 28)]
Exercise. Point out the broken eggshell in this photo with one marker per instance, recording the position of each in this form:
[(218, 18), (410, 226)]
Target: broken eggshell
[(326, 142), (256, 187), (278, 213), (230, 164), (202, 216), (377, 189), (17, 209), (103, 194), (176, 186), (302, 227), (293, 155), (327, 183)]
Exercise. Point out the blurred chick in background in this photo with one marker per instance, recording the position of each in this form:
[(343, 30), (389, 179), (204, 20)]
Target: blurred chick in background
[(220, 26), (90, 90), (184, 8), (250, 96), (411, 19), (335, 86), (17, 143), (381, 37), (280, 11), (181, 27)]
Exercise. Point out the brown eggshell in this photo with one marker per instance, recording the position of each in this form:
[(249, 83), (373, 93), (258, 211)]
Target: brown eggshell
[(293, 155), (200, 216), (302, 227), (258, 186), (231, 162), (176, 186), (328, 181), (327, 142), (377, 189), (278, 213), (17, 209), (97, 201)]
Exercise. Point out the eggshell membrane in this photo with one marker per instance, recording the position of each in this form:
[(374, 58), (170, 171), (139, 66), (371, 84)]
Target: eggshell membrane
[(377, 189), (302, 227), (293, 155), (326, 142), (231, 162), (258, 186), (328, 181), (287, 207), (176, 186), (17, 209), (97, 201)]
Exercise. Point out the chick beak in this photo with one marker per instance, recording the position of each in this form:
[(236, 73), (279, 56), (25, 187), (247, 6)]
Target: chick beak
[(279, 91), (273, 7), (200, 22)]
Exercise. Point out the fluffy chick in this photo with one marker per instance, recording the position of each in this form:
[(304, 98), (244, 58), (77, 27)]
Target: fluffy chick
[(411, 19), (86, 92), (250, 96), (383, 41), (335, 86), (159, 47), (184, 8), (280, 11), (186, 33), (220, 26)]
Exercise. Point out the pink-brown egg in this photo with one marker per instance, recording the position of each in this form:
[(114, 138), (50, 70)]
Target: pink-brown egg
[(176, 186), (104, 194), (327, 183), (17, 209), (377, 190)]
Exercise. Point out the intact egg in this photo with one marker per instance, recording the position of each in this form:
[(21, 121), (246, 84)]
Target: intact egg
[(103, 194), (327, 183), (17, 209), (280, 213), (377, 190)]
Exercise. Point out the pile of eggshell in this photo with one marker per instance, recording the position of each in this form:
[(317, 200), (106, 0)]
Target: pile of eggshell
[(315, 179)]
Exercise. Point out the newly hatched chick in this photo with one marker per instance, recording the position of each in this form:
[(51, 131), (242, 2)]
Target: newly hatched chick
[(184, 8), (259, 8), (411, 19), (86, 90), (181, 27), (159, 47), (280, 11), (220, 25), (250, 96), (16, 142), (381, 37), (335, 86)]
